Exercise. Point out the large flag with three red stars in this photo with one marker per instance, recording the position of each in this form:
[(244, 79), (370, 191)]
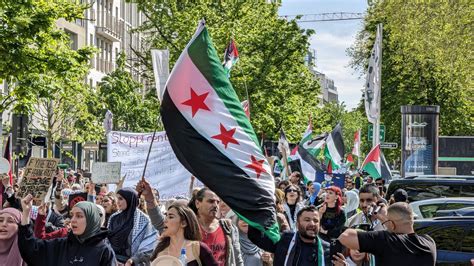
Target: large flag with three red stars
[(213, 138)]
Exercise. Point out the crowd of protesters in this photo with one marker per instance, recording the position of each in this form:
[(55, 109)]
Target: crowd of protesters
[(319, 225)]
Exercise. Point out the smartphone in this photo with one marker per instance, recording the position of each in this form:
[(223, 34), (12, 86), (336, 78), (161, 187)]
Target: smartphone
[(335, 247)]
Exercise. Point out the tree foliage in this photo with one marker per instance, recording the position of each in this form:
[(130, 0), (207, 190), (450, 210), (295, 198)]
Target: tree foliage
[(427, 60), (32, 48), (282, 91), (120, 94)]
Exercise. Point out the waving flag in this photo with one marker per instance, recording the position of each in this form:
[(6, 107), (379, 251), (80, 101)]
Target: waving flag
[(308, 132), (231, 56), (211, 136), (334, 151), (356, 148), (371, 163), (315, 145), (246, 106)]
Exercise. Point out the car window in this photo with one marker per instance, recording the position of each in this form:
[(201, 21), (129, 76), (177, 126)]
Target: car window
[(429, 211), (444, 237), (455, 206), (468, 242)]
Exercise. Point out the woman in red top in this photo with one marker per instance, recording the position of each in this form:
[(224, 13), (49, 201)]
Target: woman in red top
[(181, 233)]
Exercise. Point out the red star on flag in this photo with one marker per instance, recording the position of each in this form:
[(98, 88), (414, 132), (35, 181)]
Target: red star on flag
[(256, 165), (226, 136), (197, 102)]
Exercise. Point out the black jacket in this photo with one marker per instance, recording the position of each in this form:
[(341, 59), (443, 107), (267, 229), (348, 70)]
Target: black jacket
[(55, 221), (64, 251), (280, 249)]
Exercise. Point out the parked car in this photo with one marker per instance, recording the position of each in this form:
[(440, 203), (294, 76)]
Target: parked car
[(430, 187), (454, 237), (431, 207)]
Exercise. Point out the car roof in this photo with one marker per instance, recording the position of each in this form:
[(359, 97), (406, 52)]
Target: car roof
[(440, 176), (447, 200)]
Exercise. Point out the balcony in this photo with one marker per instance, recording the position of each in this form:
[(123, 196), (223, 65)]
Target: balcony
[(109, 27)]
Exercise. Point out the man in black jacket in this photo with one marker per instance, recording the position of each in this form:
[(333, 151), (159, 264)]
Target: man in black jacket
[(301, 248)]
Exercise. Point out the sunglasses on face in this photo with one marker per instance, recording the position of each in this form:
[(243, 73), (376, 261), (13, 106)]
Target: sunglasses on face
[(291, 190)]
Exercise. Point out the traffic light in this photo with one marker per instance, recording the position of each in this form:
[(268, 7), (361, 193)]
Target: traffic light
[(20, 133)]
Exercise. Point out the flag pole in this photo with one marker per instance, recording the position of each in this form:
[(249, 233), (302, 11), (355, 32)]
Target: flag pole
[(376, 135), (246, 90), (148, 155)]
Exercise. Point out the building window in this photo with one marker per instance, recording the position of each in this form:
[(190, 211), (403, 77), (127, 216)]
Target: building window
[(73, 40)]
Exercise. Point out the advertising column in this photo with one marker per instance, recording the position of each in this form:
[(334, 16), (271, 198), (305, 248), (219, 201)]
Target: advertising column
[(419, 140)]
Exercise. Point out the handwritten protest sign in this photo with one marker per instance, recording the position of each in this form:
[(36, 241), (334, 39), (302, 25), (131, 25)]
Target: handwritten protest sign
[(37, 177), (106, 173), (164, 172)]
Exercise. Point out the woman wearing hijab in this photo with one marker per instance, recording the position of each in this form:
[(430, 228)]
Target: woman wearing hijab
[(251, 254), (131, 234), (351, 200), (85, 244), (9, 252)]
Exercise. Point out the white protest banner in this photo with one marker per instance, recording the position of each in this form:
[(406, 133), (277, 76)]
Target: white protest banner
[(106, 173), (164, 172)]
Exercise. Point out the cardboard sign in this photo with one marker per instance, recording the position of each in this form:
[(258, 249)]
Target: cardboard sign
[(37, 177), (75, 198), (106, 173), (41, 167)]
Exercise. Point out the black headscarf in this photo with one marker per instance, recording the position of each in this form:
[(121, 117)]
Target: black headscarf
[(121, 224)]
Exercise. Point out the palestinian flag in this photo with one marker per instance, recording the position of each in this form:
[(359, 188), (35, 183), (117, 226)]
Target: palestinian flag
[(246, 106), (314, 146), (231, 56), (356, 148), (371, 163), (7, 154), (349, 160), (213, 139), (334, 151), (309, 164), (308, 132)]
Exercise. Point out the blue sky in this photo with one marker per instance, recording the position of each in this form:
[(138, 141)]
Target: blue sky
[(331, 40)]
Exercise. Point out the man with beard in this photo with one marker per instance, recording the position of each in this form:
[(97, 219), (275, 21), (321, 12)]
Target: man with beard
[(221, 236), (302, 248), (369, 198)]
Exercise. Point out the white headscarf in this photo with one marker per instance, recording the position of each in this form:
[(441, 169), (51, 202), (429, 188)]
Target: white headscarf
[(352, 201)]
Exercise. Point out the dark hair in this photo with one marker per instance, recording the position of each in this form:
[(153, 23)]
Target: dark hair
[(284, 182), (369, 188), (298, 190), (310, 183), (310, 208), (297, 174), (191, 231), (198, 196)]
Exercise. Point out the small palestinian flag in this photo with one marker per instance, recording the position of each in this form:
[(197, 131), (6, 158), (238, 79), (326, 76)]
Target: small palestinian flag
[(308, 132), (246, 106), (231, 56), (309, 164), (314, 146), (349, 160), (213, 139), (356, 148), (371, 163), (334, 151)]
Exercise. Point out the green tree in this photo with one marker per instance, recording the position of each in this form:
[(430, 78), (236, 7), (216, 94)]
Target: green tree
[(120, 94), (427, 60), (282, 91), (31, 44)]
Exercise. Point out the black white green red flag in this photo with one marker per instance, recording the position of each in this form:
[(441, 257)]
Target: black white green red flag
[(372, 163), (213, 138), (335, 150)]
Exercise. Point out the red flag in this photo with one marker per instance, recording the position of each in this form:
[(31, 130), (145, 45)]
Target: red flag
[(8, 156), (246, 106), (349, 159)]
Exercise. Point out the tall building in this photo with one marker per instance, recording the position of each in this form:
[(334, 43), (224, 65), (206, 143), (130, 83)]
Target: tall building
[(107, 26), (328, 90)]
